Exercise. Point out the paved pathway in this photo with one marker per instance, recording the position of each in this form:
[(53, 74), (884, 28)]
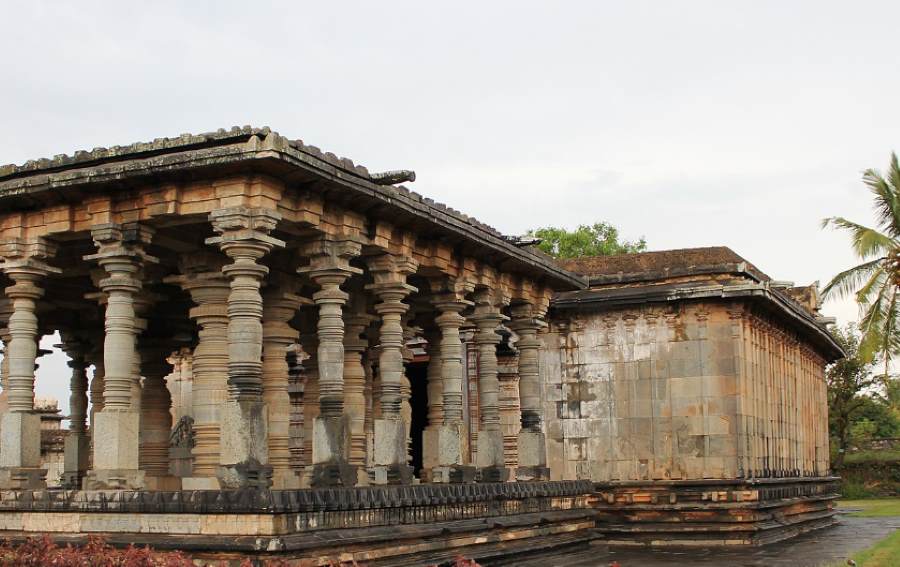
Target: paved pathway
[(820, 548)]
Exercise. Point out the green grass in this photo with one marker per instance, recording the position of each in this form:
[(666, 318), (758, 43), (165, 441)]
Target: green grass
[(885, 553), (875, 507), (879, 456)]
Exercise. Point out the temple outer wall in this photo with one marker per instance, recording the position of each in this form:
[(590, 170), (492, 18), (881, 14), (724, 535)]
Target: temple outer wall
[(688, 391)]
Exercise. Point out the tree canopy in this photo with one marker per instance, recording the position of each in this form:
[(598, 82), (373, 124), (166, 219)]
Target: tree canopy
[(598, 239), (857, 411), (875, 281)]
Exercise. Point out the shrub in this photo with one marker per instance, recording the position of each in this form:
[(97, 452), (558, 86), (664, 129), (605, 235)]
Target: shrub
[(40, 552)]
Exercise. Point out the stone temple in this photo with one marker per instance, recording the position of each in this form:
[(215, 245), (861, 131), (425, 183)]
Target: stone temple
[(277, 353)]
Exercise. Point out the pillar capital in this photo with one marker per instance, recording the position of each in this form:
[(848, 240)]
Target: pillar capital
[(330, 255), (25, 262)]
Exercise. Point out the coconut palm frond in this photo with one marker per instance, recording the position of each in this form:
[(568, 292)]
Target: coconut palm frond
[(871, 326), (876, 282), (889, 330), (848, 281), (887, 200), (867, 242)]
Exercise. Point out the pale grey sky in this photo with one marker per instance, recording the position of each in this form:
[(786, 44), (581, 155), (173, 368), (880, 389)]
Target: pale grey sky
[(691, 123)]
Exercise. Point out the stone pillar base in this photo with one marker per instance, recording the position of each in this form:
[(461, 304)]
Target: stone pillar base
[(285, 480), (170, 483), (391, 474), (77, 448), (390, 442), (490, 459), (333, 474), (390, 453), (22, 478), (532, 456), (492, 474), (200, 483), (112, 479), (532, 473), (331, 442), (20, 445), (250, 474), (449, 445), (430, 456), (453, 474), (116, 441), (244, 446)]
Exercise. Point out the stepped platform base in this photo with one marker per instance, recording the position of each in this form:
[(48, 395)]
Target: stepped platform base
[(712, 513), (391, 525)]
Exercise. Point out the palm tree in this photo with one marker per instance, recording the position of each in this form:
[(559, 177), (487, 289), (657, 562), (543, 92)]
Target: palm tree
[(877, 279)]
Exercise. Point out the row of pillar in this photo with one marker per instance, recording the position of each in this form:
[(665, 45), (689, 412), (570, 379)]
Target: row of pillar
[(240, 401)]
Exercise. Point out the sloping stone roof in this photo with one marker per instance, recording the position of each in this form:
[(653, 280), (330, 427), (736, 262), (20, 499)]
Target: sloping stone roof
[(20, 184), (692, 274), (83, 158), (661, 264)]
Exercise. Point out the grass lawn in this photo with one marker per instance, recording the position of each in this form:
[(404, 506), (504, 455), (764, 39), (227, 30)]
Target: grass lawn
[(873, 507), (885, 553)]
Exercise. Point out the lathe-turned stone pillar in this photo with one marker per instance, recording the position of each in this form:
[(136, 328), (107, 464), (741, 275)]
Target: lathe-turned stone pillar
[(116, 438), (20, 443), (391, 447), (279, 307), (309, 342), (329, 268), (156, 417), (209, 289), (435, 392), (451, 443), (356, 320), (487, 318), (6, 308), (96, 389), (532, 444), (76, 459), (244, 238)]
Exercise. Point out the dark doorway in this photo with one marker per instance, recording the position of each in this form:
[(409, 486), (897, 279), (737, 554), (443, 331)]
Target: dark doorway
[(417, 373)]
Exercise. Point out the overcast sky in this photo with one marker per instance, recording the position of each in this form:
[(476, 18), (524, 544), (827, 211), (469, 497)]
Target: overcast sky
[(689, 123)]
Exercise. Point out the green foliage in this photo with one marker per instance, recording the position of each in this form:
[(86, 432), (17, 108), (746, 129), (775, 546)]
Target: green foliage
[(862, 431), (599, 239), (855, 489), (848, 379), (875, 281), (876, 418)]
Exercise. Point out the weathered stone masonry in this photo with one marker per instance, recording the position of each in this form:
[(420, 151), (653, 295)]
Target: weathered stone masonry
[(680, 368)]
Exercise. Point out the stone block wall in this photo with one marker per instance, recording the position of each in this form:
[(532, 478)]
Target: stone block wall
[(680, 392)]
